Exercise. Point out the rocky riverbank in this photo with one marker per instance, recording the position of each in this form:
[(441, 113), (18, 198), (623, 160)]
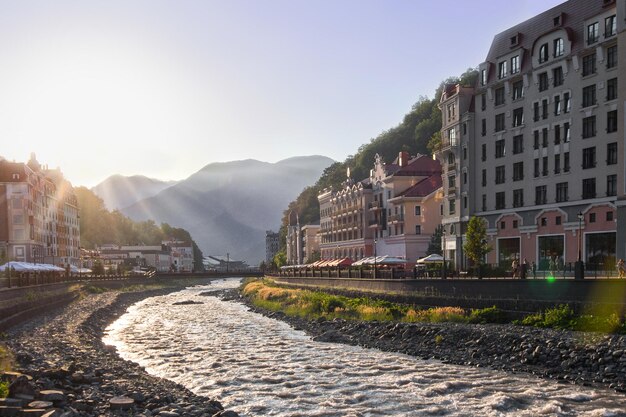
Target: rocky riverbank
[(72, 373), (572, 357)]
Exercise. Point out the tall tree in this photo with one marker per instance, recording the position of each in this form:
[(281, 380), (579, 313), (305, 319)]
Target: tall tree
[(476, 246), (435, 241)]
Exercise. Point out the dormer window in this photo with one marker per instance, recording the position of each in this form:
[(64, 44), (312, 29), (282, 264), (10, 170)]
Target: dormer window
[(515, 39), (502, 72), (593, 32), (559, 48), (556, 21), (543, 53)]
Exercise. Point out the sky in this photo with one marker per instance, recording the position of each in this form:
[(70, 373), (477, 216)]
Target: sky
[(163, 88)]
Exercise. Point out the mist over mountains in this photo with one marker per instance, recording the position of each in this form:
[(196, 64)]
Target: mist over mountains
[(227, 206)]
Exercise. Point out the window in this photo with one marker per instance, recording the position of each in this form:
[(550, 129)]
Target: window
[(589, 95), (611, 57), (452, 181), (483, 131), (518, 117), (518, 144), (592, 33), (611, 185), (557, 105), (611, 121), (484, 182), (544, 221), (544, 137), (544, 109), (502, 69), (500, 200), (566, 132), (452, 206), (589, 188), (561, 192), (515, 64), (464, 153), (543, 53), (557, 163), (566, 162), (483, 102), (557, 134), (589, 64), (536, 167), (589, 157), (536, 139), (484, 201), (610, 26), (514, 40), (451, 111), (464, 177), (567, 104), (464, 128), (500, 150), (589, 127), (543, 81), (540, 195), (518, 171), (609, 216), (592, 217), (557, 220), (536, 111), (451, 133), (518, 90), (557, 76), (499, 96), (500, 174), (503, 225), (418, 229), (465, 202), (611, 153), (483, 150), (518, 198), (499, 122), (611, 89), (451, 159), (515, 224), (559, 48), (544, 160), (483, 77), (418, 210)]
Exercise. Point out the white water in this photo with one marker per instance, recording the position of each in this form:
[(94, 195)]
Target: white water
[(259, 366)]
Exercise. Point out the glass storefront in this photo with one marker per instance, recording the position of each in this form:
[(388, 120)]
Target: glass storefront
[(508, 249), (551, 252), (600, 250)]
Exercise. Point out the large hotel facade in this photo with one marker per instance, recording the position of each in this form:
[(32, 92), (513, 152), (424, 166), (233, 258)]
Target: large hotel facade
[(536, 147), (39, 217)]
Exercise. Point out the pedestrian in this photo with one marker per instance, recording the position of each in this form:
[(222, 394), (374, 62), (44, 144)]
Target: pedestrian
[(514, 267), (533, 266), (552, 265), (621, 268), (524, 269)]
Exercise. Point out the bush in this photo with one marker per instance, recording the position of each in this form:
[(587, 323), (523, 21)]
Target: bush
[(4, 389), (488, 315)]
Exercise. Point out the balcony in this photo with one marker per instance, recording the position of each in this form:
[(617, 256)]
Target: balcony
[(374, 224), (396, 218), (374, 205)]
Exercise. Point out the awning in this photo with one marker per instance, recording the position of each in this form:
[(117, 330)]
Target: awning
[(431, 259)]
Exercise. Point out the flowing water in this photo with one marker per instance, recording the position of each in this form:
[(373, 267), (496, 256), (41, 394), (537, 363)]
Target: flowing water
[(262, 367)]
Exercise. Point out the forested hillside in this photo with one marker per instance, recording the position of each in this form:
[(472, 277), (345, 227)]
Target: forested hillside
[(99, 226), (412, 135)]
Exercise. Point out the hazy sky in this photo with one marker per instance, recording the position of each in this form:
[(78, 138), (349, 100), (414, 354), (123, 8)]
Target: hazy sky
[(162, 88)]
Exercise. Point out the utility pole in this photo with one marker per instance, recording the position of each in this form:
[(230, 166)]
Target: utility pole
[(227, 261)]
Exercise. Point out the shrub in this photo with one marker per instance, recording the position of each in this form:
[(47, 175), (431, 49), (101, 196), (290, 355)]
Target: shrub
[(488, 315), (560, 317), (4, 389)]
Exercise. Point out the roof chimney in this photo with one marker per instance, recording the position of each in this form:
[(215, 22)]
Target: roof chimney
[(403, 158)]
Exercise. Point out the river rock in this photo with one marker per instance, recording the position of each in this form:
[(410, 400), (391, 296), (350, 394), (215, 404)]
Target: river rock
[(121, 403), (22, 388), (52, 395), (186, 302), (40, 404), (225, 414)]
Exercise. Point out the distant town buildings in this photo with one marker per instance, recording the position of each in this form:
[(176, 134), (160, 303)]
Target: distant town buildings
[(272, 246), (170, 256), (39, 214)]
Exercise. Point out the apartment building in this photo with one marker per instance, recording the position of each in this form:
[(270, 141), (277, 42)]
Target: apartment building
[(39, 217), (393, 212), (272, 245), (456, 156), (310, 242), (549, 135)]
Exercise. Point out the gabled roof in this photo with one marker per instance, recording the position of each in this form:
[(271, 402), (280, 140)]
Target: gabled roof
[(419, 166), (423, 188)]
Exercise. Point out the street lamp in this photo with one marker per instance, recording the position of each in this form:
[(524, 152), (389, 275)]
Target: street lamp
[(8, 265), (375, 256), (443, 251), (579, 266)]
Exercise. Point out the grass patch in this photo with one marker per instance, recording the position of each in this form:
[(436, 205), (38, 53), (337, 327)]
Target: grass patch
[(563, 317), (6, 359), (93, 289), (4, 389)]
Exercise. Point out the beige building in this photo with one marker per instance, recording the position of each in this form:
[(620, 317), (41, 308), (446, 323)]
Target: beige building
[(549, 134), (310, 242)]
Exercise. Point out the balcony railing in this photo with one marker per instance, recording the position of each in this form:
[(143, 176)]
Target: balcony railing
[(396, 218)]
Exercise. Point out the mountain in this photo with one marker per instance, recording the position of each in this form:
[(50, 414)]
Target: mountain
[(228, 206), (119, 191)]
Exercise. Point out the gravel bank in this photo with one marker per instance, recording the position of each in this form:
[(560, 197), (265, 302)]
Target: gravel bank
[(64, 351), (583, 358)]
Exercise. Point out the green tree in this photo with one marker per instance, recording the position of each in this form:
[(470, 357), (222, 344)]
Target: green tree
[(280, 259), (476, 246), (98, 268), (435, 241)]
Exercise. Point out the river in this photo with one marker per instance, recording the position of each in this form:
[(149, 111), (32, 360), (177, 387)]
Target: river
[(258, 366)]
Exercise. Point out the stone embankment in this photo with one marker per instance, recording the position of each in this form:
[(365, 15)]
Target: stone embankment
[(65, 370), (583, 358)]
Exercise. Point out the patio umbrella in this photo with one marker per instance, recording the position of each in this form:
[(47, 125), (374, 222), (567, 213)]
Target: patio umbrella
[(431, 259)]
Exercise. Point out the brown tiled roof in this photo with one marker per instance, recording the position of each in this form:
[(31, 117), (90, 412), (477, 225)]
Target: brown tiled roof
[(7, 169), (423, 188), (421, 165), (573, 14)]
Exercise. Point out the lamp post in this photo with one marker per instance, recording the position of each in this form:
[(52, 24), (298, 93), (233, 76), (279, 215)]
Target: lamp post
[(443, 251), (375, 256), (227, 261), (579, 266), (8, 265)]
